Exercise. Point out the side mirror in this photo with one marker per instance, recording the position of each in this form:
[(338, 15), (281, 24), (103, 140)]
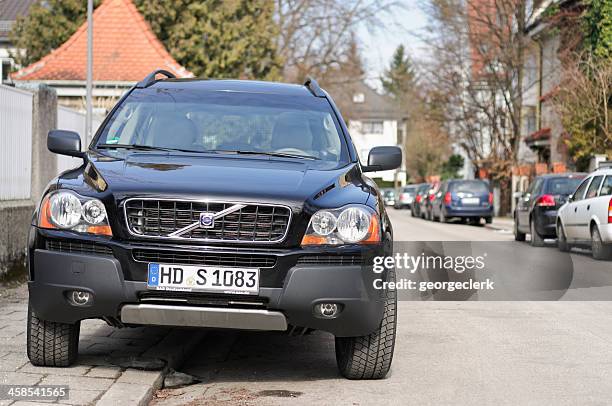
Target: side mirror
[(65, 143), (517, 195), (570, 198), (384, 159)]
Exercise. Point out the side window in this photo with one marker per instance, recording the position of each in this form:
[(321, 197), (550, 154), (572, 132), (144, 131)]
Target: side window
[(594, 187), (606, 189), (579, 193), (537, 189)]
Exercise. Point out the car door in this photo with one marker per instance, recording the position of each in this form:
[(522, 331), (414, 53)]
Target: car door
[(586, 208), (603, 200), (571, 212)]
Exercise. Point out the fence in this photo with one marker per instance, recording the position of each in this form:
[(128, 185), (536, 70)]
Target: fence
[(15, 143), (27, 114)]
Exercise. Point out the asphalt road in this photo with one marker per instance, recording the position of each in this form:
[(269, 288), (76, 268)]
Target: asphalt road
[(470, 352)]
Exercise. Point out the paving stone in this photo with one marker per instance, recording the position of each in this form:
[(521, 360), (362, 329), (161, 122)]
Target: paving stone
[(11, 331), (18, 378), (78, 382), (81, 397), (26, 403), (11, 365), (140, 377), (104, 372), (93, 360), (18, 355), (16, 316), (76, 370), (126, 393)]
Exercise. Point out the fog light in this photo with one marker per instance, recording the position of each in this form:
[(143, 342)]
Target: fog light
[(327, 310), (80, 298)]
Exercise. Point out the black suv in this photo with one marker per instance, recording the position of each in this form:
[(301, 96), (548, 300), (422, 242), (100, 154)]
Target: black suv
[(223, 204)]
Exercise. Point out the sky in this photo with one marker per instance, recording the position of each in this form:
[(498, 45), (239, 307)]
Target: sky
[(402, 27)]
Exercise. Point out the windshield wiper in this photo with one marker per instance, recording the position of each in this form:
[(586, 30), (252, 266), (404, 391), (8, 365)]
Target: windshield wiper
[(143, 147), (277, 154)]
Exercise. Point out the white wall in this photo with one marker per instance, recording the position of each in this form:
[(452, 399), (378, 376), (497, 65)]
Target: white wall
[(364, 142), (15, 143)]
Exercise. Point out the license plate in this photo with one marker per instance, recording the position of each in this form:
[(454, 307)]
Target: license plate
[(193, 278), (470, 200)]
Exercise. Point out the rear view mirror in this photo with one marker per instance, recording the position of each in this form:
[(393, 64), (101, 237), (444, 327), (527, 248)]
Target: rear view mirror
[(384, 159), (65, 143)]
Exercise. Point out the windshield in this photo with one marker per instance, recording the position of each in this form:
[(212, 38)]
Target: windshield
[(470, 186), (226, 122), (563, 186)]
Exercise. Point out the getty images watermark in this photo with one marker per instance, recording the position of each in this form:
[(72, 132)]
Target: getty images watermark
[(412, 264)]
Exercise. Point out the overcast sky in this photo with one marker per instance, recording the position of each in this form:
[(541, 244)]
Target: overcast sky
[(400, 28)]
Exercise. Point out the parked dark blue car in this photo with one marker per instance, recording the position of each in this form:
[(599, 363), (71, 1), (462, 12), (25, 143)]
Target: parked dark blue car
[(465, 199)]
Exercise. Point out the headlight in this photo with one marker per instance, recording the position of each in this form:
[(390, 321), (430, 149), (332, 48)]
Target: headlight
[(355, 224), (69, 211)]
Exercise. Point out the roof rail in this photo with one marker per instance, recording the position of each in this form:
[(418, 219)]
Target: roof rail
[(604, 164), (314, 88), (150, 78)]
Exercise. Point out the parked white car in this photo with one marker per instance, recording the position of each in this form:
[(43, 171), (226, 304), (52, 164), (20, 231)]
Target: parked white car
[(586, 219)]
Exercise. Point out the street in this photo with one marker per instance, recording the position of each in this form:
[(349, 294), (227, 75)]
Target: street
[(529, 352)]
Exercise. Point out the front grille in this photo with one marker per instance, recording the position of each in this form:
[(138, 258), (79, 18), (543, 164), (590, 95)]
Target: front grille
[(252, 223), (204, 258), (81, 247), (201, 299), (332, 259)]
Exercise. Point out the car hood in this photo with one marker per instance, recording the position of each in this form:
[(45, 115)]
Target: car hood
[(233, 177)]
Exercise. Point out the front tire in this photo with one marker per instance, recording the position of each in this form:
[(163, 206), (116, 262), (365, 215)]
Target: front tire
[(442, 216), (600, 250), (51, 344), (562, 243), (518, 236), (369, 357)]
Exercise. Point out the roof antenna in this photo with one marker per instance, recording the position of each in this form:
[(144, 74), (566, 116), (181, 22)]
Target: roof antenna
[(150, 78), (314, 87)]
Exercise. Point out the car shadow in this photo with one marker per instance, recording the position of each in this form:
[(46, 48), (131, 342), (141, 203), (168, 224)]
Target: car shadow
[(236, 356)]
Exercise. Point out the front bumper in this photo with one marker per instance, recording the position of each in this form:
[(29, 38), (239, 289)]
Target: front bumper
[(290, 289)]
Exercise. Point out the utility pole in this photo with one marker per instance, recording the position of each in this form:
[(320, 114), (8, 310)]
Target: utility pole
[(88, 101)]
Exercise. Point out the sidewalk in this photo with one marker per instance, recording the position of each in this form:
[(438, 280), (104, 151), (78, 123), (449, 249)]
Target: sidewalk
[(501, 223), (95, 379)]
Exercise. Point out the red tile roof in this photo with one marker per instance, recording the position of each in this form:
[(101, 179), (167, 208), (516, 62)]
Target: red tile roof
[(125, 49)]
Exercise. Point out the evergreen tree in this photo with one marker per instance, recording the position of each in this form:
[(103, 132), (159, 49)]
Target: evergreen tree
[(212, 38), (217, 38), (399, 80), (48, 25)]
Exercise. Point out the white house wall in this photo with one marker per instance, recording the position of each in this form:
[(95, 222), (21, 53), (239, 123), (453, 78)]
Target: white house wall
[(365, 142)]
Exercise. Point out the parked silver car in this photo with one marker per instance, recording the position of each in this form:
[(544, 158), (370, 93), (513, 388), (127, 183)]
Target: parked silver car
[(586, 219)]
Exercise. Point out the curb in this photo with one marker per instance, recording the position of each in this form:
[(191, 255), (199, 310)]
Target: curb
[(137, 387)]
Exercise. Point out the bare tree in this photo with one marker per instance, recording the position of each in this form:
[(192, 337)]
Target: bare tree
[(477, 71), (583, 100), (316, 36)]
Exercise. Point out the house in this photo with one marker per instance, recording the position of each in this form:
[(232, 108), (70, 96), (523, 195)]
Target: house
[(543, 149), (376, 120), (9, 11), (125, 50)]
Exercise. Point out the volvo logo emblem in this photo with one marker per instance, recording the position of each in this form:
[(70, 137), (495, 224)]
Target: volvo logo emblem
[(207, 220)]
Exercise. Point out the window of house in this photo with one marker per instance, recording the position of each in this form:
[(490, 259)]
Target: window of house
[(358, 98), (372, 127)]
